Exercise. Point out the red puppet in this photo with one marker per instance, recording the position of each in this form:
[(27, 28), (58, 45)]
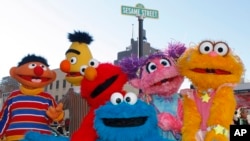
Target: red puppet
[(99, 83)]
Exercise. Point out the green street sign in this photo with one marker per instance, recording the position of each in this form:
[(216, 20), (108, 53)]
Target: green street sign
[(139, 10)]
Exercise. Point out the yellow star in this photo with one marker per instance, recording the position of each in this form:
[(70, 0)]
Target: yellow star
[(205, 98), (219, 129)]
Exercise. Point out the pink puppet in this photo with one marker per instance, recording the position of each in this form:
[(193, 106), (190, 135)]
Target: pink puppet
[(159, 80)]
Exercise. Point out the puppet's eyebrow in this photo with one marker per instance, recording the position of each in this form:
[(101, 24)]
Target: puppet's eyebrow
[(72, 51)]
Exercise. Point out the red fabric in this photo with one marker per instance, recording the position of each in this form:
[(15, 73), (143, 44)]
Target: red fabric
[(243, 100)]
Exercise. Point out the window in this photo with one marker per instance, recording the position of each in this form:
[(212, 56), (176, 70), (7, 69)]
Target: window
[(51, 86), (56, 98), (57, 84), (64, 83)]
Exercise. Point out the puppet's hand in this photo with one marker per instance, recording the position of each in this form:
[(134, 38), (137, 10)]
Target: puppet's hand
[(166, 121), (56, 113)]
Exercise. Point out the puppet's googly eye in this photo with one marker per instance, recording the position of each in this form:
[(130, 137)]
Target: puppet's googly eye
[(151, 67), (130, 98), (94, 63), (165, 62), (73, 60), (206, 47), (32, 65), (44, 67), (221, 48), (116, 98), (82, 69)]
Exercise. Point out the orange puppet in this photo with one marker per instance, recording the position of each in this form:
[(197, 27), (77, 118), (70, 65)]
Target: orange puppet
[(209, 108), (27, 108)]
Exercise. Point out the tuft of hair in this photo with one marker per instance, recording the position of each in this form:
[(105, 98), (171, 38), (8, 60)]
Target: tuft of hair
[(81, 37), (33, 58), (175, 49), (130, 65)]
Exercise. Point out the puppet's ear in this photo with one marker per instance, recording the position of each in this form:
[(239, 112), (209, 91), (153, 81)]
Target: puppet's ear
[(135, 83)]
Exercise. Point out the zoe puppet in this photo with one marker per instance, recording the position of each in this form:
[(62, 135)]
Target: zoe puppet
[(29, 108), (209, 108), (159, 81), (100, 81), (126, 118)]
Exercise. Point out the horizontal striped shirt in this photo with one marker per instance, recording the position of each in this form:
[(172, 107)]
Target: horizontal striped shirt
[(21, 113)]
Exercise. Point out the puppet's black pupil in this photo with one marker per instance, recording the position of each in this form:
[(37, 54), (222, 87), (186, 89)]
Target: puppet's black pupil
[(118, 100), (128, 99), (153, 67), (92, 63), (206, 48), (220, 49)]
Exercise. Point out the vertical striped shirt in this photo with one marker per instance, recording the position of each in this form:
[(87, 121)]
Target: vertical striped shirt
[(21, 113), (78, 109)]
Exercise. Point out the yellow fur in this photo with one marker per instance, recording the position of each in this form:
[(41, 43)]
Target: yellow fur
[(223, 104)]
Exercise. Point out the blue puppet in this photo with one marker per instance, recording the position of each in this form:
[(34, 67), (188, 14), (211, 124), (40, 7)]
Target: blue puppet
[(36, 136), (125, 118)]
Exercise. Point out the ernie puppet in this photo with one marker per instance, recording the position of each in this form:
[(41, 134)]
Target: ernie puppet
[(29, 108), (213, 70)]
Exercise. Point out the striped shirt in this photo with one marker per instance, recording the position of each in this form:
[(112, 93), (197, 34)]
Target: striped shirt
[(78, 109), (21, 113)]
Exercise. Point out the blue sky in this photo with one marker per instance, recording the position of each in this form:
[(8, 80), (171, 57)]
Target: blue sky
[(41, 26)]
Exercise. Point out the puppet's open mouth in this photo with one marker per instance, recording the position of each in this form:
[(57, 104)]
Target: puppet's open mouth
[(100, 88), (124, 122), (34, 79), (211, 71), (73, 74), (162, 81)]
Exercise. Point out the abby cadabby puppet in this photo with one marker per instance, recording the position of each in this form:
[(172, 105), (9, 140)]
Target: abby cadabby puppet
[(159, 80)]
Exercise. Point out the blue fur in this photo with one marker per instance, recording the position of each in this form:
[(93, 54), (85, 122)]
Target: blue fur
[(146, 132), (36, 136)]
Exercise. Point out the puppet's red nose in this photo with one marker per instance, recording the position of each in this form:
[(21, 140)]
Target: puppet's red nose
[(38, 70)]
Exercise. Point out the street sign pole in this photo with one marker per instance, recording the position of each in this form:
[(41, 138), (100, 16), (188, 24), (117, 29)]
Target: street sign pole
[(140, 12), (140, 51)]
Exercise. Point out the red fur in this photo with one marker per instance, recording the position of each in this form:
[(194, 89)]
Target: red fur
[(86, 132)]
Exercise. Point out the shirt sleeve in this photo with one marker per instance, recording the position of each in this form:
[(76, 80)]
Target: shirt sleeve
[(4, 117)]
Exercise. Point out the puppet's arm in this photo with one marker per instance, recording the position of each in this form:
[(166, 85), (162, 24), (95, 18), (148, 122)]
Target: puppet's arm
[(86, 131), (168, 121), (191, 120), (223, 102), (4, 118)]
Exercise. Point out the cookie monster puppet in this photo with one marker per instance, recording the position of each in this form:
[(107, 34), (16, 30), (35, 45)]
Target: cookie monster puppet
[(159, 80), (126, 118)]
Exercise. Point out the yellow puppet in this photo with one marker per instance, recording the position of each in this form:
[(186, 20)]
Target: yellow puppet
[(209, 108), (78, 57)]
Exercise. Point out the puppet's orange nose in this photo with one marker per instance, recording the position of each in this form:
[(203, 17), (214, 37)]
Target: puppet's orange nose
[(38, 70), (90, 73), (65, 66)]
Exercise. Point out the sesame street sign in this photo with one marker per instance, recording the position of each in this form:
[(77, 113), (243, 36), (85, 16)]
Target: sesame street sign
[(139, 10)]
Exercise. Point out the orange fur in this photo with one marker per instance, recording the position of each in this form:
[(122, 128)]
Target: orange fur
[(206, 71)]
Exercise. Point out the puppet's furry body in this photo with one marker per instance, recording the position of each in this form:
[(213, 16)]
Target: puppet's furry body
[(36, 136), (131, 120), (209, 108), (159, 81), (98, 84)]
